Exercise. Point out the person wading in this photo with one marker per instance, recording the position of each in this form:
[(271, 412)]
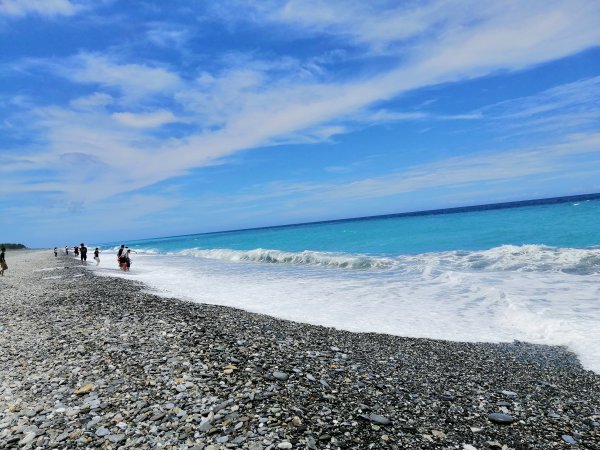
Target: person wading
[(119, 254)]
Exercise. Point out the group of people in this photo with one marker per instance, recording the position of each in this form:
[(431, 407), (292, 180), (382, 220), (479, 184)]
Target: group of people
[(81, 251), (123, 255), (124, 258)]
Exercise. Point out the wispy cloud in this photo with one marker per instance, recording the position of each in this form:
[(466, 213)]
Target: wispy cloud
[(145, 120), (48, 8), (579, 96), (556, 111), (133, 81), (548, 161)]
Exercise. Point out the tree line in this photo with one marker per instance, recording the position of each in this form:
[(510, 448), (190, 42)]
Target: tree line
[(12, 246)]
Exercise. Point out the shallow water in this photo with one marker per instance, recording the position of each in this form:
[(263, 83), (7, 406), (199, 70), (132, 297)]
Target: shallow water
[(527, 273)]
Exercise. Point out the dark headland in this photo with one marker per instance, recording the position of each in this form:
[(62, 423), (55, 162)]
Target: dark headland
[(93, 362)]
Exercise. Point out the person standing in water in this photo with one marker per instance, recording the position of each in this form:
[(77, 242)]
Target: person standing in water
[(55, 252), (123, 258), (119, 254), (83, 251), (3, 265), (66, 250), (128, 263), (76, 250), (97, 256)]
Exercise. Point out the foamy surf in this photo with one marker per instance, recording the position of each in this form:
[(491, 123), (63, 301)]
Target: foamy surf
[(532, 293), (525, 258)]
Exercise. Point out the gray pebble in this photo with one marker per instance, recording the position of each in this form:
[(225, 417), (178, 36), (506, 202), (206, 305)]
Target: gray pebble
[(101, 432), (501, 418), (380, 420)]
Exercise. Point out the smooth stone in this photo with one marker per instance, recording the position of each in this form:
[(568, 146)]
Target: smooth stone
[(376, 418), (501, 418), (509, 394), (116, 437), (100, 432), (284, 445), (205, 425), (61, 437), (281, 376), (28, 438), (568, 439)]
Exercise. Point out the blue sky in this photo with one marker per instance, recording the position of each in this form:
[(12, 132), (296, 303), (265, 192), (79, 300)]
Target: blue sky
[(122, 120)]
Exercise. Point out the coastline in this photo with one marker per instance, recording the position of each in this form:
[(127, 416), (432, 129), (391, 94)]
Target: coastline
[(175, 373)]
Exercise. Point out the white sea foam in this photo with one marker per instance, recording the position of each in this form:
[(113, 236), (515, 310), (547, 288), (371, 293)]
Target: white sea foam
[(260, 255), (526, 258), (538, 294)]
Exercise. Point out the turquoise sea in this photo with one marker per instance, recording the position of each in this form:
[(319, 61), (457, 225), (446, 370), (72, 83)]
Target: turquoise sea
[(527, 271)]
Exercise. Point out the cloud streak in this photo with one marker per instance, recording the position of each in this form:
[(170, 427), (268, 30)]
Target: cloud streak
[(47, 8)]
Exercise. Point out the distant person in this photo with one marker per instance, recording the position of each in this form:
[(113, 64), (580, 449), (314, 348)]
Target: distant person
[(97, 256), (66, 250), (76, 250), (119, 254), (123, 258), (55, 252), (129, 258), (3, 265), (83, 251)]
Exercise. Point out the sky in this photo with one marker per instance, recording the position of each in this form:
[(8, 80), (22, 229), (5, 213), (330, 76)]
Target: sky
[(128, 119)]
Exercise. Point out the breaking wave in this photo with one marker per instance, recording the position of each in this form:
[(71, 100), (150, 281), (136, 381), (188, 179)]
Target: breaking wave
[(259, 255), (525, 258)]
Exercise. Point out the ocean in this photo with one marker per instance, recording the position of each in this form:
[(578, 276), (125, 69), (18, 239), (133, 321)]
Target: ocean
[(527, 271)]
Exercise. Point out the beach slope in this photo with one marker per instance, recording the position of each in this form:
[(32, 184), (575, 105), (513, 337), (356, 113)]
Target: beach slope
[(95, 362)]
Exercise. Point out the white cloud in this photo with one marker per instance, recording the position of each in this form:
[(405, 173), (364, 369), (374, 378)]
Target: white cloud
[(95, 100), (50, 8), (165, 35), (133, 81), (581, 95), (145, 120)]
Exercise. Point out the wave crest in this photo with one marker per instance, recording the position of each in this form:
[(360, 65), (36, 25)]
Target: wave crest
[(506, 258), (513, 258), (259, 255)]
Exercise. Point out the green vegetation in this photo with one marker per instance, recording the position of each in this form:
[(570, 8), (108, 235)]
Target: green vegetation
[(12, 246)]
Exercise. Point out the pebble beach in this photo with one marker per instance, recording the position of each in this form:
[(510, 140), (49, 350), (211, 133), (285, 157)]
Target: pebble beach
[(99, 362)]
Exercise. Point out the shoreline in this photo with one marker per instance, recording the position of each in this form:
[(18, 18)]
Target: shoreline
[(188, 375)]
